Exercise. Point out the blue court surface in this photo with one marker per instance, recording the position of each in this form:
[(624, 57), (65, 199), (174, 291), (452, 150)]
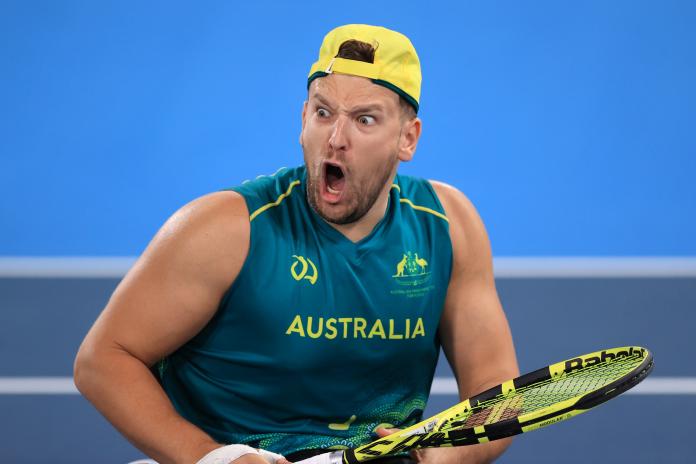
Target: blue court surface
[(44, 319)]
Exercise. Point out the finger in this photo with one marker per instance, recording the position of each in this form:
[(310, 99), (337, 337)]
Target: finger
[(417, 455), (271, 457), (383, 431)]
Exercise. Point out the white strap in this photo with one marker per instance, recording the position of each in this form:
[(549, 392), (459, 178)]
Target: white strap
[(227, 454), (241, 450)]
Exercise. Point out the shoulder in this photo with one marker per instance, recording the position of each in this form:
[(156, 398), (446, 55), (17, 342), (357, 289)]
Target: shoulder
[(459, 209), (470, 243), (209, 235), (420, 195), (213, 214), (265, 190)]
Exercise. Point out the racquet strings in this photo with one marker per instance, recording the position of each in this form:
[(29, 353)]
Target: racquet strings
[(544, 393)]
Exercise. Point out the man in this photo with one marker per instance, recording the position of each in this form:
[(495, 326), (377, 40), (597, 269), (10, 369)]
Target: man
[(305, 310)]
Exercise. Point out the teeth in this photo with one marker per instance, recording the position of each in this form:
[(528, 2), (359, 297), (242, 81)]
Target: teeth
[(331, 190)]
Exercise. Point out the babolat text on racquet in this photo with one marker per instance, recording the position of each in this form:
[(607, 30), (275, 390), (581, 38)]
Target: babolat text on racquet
[(529, 402)]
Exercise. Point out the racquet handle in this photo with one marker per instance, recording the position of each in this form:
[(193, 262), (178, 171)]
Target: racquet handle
[(334, 457)]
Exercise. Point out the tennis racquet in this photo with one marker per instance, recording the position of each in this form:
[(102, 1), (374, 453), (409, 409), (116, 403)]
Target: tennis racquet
[(529, 402)]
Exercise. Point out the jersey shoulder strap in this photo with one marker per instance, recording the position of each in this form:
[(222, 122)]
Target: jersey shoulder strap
[(418, 195), (266, 192)]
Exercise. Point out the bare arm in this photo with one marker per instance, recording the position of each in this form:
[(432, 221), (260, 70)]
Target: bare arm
[(473, 329), (168, 296)]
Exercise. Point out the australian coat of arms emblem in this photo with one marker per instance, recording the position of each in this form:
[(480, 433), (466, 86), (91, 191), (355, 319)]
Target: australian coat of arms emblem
[(412, 270)]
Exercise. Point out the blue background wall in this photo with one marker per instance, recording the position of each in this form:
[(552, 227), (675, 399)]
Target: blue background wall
[(570, 125)]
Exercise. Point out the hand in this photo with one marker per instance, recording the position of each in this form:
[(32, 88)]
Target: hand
[(250, 459), (417, 455), (271, 457), (428, 455), (239, 454)]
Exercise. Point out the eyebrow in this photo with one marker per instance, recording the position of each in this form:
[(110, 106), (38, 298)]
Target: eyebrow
[(358, 109), (322, 99)]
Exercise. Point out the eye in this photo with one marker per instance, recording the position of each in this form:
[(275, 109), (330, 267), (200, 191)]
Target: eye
[(322, 113), (367, 120)]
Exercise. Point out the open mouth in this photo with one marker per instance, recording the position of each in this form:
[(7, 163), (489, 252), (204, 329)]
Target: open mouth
[(334, 178), (334, 182)]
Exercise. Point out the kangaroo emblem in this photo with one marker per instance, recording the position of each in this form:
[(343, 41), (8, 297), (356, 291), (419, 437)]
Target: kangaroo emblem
[(400, 266), (412, 272)]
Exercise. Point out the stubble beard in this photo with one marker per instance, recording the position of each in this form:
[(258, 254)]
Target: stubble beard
[(363, 197)]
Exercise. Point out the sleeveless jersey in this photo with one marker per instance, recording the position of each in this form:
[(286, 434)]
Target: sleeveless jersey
[(319, 340)]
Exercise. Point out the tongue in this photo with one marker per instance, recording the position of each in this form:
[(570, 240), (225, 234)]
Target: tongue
[(334, 181)]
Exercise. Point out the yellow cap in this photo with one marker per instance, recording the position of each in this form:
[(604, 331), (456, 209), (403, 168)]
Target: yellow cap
[(396, 64)]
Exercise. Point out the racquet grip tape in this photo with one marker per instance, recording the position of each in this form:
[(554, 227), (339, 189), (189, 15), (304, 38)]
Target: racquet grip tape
[(349, 457)]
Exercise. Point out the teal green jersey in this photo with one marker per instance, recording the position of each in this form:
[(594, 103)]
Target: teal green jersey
[(320, 340)]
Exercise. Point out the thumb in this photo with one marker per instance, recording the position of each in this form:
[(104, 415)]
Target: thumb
[(384, 431)]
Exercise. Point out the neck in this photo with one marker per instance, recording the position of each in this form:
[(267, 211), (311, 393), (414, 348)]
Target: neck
[(356, 231)]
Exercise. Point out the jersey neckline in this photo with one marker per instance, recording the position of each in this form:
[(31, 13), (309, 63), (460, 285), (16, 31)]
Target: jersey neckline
[(336, 236)]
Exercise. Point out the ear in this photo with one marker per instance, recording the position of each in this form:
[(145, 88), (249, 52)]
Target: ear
[(408, 140), (304, 116)]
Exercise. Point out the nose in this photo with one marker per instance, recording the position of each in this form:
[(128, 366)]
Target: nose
[(339, 134)]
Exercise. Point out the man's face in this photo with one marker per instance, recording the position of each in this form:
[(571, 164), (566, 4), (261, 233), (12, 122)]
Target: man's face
[(352, 142)]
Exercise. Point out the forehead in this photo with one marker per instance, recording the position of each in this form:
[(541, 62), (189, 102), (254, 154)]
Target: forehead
[(349, 90)]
